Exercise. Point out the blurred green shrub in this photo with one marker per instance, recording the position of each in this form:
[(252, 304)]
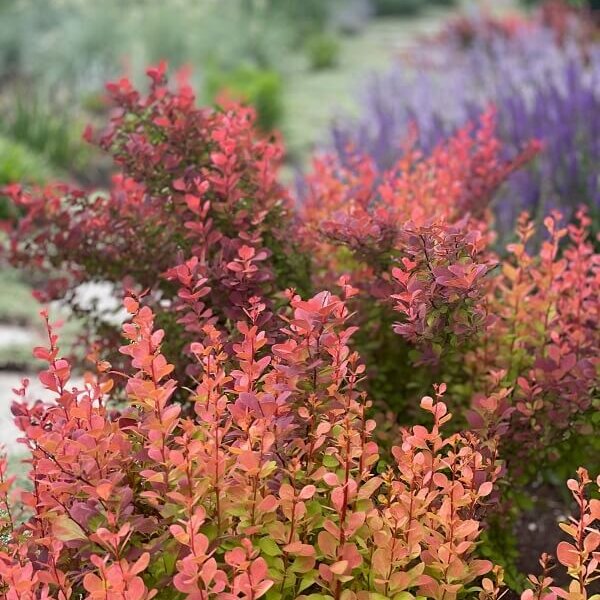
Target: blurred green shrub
[(398, 7), (575, 3), (260, 88), (45, 130), (305, 17), (323, 50), (19, 164), (94, 103), (17, 304), (71, 47), (65, 48)]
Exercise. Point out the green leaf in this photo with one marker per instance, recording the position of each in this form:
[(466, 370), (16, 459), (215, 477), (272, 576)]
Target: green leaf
[(289, 581), (164, 565), (313, 508), (276, 567), (96, 521), (237, 511), (269, 547), (170, 510), (302, 564), (330, 461), (307, 581), (210, 530), (382, 466)]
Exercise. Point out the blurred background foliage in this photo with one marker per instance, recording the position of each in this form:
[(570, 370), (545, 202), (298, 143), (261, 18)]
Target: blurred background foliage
[(296, 60), (299, 62), (55, 59)]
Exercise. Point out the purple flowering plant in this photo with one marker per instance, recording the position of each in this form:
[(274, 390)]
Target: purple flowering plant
[(543, 88)]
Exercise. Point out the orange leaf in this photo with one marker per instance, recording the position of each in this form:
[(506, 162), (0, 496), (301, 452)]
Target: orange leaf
[(567, 554), (485, 489), (592, 541), (339, 567), (131, 306), (66, 530), (299, 549), (104, 490)]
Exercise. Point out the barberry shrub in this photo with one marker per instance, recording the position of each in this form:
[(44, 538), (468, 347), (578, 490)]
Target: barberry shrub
[(268, 487), (540, 345), (513, 332), (271, 486), (195, 215), (416, 237), (419, 240), (579, 555), (240, 458)]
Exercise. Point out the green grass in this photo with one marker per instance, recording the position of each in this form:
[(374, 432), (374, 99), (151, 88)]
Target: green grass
[(17, 305)]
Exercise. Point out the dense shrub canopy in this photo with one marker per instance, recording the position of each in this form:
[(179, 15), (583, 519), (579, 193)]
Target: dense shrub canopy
[(196, 215), (229, 448), (268, 486)]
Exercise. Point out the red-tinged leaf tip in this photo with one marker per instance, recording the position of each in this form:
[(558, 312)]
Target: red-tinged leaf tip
[(41, 353)]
